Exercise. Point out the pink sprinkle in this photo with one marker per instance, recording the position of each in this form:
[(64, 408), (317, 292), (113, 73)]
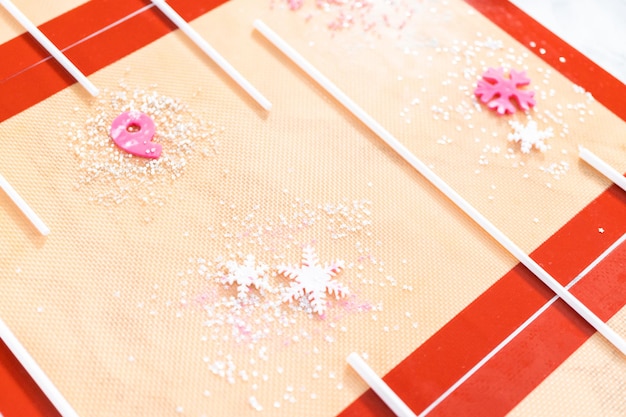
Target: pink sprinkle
[(295, 4)]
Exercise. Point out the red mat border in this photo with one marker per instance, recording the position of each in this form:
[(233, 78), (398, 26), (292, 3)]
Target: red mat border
[(447, 355)]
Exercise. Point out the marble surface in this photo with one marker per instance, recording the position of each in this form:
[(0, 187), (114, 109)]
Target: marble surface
[(596, 28)]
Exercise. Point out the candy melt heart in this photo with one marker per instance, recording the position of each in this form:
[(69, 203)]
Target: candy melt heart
[(133, 131)]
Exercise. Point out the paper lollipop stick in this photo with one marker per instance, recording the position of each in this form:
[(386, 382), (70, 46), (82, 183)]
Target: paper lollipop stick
[(212, 53), (448, 191), (385, 393), (33, 369), (602, 167), (49, 46), (21, 204)]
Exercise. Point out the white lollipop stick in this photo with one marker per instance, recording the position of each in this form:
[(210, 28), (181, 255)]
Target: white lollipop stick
[(602, 167), (448, 191), (38, 375), (212, 53), (25, 208), (385, 393), (49, 46)]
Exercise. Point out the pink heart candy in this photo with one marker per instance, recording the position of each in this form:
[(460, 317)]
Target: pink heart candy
[(133, 131)]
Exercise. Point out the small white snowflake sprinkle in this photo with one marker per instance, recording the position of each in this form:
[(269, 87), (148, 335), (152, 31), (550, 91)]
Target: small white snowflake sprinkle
[(313, 280), (601, 229), (529, 136), (246, 274)]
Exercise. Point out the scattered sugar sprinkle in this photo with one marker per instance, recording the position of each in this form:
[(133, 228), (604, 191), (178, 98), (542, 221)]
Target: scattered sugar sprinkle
[(545, 125), (556, 169), (238, 314), (113, 176), (369, 16)]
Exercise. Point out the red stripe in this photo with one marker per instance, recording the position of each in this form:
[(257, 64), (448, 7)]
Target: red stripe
[(534, 355), (37, 81), (533, 362), (24, 51), (436, 365)]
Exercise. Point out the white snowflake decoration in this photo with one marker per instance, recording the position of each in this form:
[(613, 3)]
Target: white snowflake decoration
[(246, 274), (529, 135), (313, 281)]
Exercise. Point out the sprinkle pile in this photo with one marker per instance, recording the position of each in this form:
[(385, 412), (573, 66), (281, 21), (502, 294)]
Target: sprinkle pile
[(249, 312), (112, 176)]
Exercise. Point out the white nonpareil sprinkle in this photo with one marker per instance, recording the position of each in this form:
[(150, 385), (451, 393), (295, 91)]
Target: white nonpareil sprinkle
[(255, 403)]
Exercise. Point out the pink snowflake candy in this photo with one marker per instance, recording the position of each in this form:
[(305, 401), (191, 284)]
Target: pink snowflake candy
[(498, 92)]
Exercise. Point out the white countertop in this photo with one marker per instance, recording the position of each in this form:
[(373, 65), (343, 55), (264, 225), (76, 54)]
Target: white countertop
[(597, 28)]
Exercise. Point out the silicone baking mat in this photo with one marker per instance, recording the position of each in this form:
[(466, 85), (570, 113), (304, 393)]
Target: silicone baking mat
[(129, 305)]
